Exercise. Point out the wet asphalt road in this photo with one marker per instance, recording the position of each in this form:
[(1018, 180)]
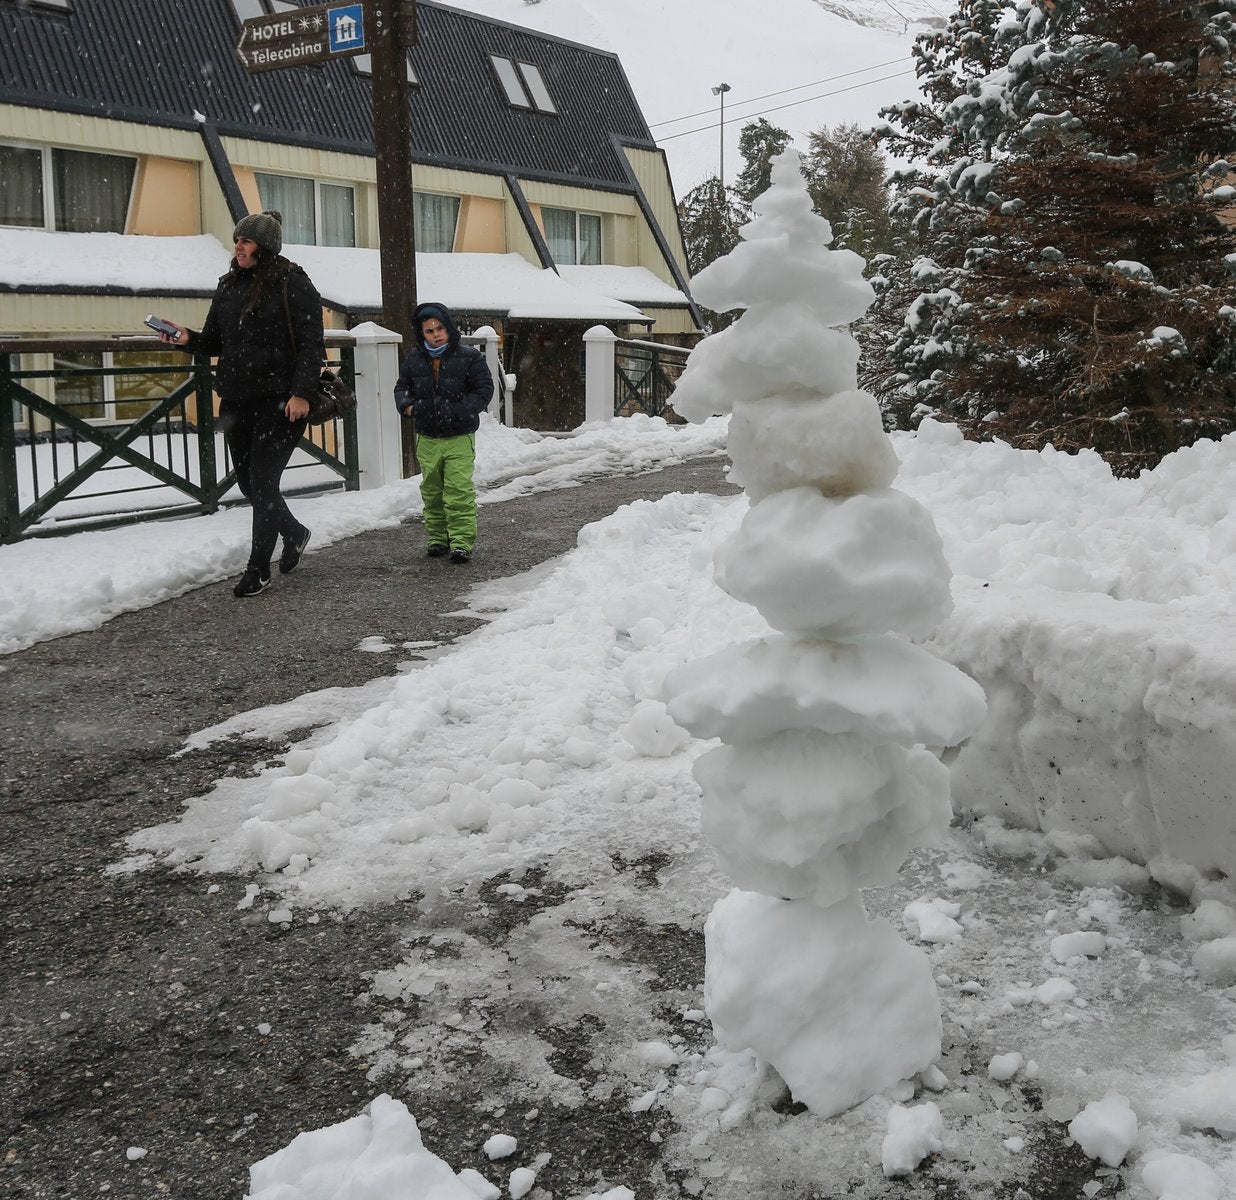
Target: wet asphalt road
[(129, 1004)]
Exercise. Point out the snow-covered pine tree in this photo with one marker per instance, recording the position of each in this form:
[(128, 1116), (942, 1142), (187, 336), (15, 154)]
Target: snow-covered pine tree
[(846, 181), (1102, 293), (710, 220), (759, 143), (942, 197)]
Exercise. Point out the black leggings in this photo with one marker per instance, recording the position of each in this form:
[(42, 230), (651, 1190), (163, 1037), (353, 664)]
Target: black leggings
[(260, 440)]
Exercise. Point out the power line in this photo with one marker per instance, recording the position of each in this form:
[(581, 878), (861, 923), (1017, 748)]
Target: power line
[(784, 91), (669, 137)]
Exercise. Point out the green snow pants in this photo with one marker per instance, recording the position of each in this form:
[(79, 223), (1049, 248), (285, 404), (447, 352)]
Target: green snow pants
[(446, 490)]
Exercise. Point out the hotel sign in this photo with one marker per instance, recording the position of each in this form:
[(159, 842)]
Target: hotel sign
[(298, 38)]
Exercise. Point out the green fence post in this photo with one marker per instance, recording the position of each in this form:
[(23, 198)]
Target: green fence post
[(208, 467), (10, 500)]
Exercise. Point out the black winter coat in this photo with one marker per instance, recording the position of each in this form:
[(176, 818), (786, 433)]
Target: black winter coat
[(452, 404), (257, 357)]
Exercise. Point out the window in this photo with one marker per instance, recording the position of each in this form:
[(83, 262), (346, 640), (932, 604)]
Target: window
[(436, 218), (246, 10), (362, 64), (112, 397), (74, 191), (522, 84), (314, 213), (573, 237)]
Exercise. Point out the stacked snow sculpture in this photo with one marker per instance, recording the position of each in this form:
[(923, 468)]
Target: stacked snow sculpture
[(822, 785)]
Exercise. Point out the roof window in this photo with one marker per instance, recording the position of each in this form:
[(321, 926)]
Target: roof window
[(362, 64), (522, 84)]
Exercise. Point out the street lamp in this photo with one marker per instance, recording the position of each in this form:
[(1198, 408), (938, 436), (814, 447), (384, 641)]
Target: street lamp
[(720, 90)]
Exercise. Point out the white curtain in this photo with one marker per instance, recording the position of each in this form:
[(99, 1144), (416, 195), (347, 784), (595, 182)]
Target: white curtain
[(21, 186), (92, 191), (338, 215), (436, 218), (560, 234), (294, 199), (589, 239)]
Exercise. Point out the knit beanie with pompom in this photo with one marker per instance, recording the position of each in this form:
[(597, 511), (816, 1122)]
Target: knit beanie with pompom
[(264, 228)]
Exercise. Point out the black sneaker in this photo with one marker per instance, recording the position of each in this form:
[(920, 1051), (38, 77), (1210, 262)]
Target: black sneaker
[(436, 550), (292, 550), (252, 582), (460, 555)]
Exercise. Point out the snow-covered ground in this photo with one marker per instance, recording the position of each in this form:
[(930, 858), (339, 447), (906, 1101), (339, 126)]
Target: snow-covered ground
[(539, 742)]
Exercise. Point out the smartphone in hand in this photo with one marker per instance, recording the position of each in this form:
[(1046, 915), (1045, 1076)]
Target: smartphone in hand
[(159, 325)]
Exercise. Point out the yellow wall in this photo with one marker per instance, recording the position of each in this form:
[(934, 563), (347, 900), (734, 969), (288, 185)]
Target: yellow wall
[(652, 171), (481, 226), (165, 200), (43, 314)]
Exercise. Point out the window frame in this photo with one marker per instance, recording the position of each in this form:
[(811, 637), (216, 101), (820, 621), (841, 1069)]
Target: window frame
[(419, 197), (522, 84), (109, 400), (577, 214), (318, 185), (47, 174)]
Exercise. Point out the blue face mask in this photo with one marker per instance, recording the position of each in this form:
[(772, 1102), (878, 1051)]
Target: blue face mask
[(436, 351)]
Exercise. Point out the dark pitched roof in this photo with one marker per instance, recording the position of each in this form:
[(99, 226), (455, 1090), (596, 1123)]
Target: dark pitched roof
[(164, 61)]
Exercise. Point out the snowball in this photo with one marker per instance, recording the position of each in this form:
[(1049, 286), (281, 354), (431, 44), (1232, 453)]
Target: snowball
[(657, 1053), (913, 1134), (501, 1145), (521, 1182), (867, 564), (1074, 945), (1215, 961), (933, 920), (652, 731), (883, 689), (1211, 919), (810, 815), (1055, 991), (1004, 1066), (836, 1002), (837, 445), (784, 262), (1180, 1177), (765, 354), (1206, 1102), (1105, 1129)]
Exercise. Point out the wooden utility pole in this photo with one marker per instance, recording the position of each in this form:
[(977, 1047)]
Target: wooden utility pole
[(391, 33)]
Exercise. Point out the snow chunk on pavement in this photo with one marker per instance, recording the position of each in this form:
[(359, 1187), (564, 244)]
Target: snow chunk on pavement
[(913, 1134), (501, 1145), (1087, 943), (1180, 1177), (377, 1155), (1105, 1129)]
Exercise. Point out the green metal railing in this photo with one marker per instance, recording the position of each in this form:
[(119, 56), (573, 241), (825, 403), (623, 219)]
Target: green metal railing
[(645, 374), (152, 427)]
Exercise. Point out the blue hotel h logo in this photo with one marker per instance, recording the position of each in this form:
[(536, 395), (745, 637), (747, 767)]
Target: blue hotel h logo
[(347, 27)]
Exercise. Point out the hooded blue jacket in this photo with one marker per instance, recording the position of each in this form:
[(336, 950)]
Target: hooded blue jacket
[(451, 403)]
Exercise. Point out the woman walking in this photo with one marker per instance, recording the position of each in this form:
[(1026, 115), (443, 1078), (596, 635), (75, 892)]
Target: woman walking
[(265, 327)]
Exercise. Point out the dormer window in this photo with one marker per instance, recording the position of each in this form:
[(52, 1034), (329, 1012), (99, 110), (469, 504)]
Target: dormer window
[(362, 64), (522, 84)]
